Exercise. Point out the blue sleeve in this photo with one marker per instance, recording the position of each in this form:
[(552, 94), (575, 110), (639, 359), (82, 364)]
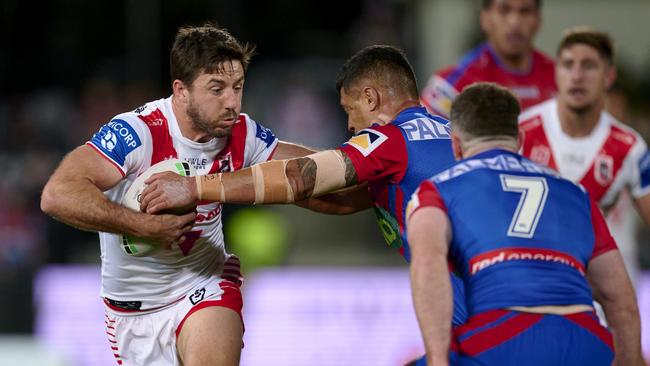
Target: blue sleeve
[(116, 140), (265, 135)]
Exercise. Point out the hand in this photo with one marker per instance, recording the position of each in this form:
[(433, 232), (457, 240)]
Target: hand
[(167, 230), (169, 191)]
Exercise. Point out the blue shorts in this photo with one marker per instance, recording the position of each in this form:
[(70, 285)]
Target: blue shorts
[(504, 337)]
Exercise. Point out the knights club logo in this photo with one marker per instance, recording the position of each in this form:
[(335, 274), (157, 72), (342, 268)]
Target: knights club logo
[(604, 169), (541, 155)]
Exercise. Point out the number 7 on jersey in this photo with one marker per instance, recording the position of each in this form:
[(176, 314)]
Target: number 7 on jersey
[(533, 192)]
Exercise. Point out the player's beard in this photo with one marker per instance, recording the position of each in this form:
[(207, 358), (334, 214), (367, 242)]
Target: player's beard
[(201, 124)]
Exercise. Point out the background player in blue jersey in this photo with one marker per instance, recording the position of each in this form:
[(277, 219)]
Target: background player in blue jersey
[(530, 247), (397, 144)]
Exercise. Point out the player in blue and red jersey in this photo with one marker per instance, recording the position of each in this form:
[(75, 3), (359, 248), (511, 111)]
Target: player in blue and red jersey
[(396, 145), (529, 246), (507, 58)]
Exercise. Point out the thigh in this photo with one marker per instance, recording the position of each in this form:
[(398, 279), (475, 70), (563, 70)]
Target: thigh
[(211, 331), (142, 339)]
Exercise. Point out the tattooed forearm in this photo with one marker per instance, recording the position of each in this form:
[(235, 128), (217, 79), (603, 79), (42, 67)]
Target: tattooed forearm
[(302, 177), (351, 177)]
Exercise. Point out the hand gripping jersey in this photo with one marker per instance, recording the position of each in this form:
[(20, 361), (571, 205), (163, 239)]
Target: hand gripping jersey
[(133, 142), (513, 247), (482, 64), (510, 238), (394, 159)]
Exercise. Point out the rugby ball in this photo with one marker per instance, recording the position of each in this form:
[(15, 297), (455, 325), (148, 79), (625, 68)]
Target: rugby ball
[(139, 247)]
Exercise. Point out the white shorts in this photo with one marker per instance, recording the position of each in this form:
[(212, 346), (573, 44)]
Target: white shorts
[(149, 337)]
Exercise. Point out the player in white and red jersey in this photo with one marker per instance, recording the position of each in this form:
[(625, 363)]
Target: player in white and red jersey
[(576, 136), (181, 304)]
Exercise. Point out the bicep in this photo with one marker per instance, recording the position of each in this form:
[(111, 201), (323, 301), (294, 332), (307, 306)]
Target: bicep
[(428, 232), (608, 278), (643, 207), (288, 150), (85, 163)]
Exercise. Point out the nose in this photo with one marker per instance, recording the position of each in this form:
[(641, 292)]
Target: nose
[(350, 128), (231, 99)]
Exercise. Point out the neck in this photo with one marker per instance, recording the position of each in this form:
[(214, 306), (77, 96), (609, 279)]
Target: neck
[(579, 122), (393, 110), (479, 145), (185, 123), (520, 62)]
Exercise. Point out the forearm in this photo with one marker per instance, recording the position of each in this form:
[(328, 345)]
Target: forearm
[(624, 323), (432, 298), (342, 202), (284, 181), (77, 202)]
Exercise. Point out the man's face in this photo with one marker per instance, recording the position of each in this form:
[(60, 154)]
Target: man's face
[(359, 114), (582, 76), (214, 99), (511, 25)]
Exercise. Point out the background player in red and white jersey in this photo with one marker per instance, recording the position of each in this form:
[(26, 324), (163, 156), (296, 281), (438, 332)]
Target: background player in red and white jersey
[(181, 304), (576, 136), (507, 58)]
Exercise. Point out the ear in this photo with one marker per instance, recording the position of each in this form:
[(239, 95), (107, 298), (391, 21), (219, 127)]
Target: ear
[(371, 99), (610, 77), (456, 146), (521, 138), (483, 20), (181, 92)]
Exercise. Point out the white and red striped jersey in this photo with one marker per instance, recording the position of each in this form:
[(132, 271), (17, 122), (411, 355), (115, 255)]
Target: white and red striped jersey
[(134, 141), (612, 158)]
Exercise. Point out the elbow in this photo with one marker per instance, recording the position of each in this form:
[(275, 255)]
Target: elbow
[(49, 202)]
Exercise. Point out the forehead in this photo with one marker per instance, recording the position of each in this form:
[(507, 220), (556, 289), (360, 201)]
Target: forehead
[(230, 69), (579, 50), (513, 4), (348, 96)]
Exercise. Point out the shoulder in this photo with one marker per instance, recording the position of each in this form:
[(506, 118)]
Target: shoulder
[(543, 60), (469, 67), (537, 113), (622, 132)]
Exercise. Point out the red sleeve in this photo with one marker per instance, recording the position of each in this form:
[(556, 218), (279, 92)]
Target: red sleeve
[(427, 195), (604, 242), (378, 152)]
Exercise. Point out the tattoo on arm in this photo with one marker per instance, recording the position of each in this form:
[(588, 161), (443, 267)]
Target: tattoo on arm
[(351, 177), (302, 177)]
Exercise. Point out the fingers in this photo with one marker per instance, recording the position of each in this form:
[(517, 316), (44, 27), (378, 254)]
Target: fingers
[(155, 177)]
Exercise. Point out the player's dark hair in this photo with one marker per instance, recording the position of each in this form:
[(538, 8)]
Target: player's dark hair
[(486, 109), (487, 3), (204, 48), (386, 64), (590, 37)]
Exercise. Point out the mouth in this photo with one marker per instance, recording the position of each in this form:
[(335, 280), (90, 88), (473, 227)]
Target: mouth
[(577, 92)]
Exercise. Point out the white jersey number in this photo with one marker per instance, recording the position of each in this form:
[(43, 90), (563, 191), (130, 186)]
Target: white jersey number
[(531, 203)]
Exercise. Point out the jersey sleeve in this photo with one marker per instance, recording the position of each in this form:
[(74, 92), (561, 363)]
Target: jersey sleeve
[(640, 184), (377, 152), (604, 242), (438, 94), (260, 143), (122, 142), (427, 195)]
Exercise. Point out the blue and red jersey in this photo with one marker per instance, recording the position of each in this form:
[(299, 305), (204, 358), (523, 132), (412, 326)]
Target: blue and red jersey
[(531, 87), (394, 159), (521, 235)]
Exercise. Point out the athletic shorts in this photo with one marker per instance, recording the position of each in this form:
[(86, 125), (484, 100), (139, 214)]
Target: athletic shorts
[(504, 337), (149, 337)]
